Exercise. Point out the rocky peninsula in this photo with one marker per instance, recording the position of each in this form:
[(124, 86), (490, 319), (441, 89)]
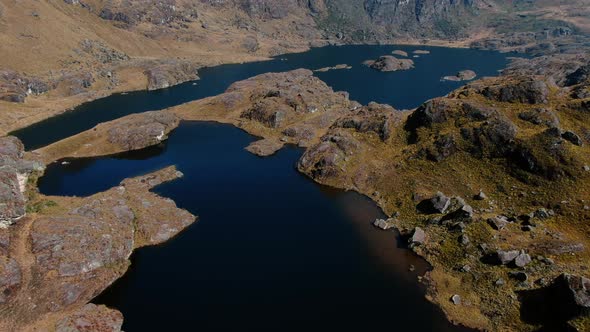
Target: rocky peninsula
[(58, 253)]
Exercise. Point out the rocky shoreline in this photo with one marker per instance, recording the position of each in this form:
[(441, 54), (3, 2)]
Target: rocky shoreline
[(502, 233), (488, 184)]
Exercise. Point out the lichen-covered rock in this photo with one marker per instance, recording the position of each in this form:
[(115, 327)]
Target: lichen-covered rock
[(166, 74), (540, 116), (95, 235), (326, 158), (507, 257), (375, 118), (529, 91), (157, 219), (142, 130), (91, 317), (10, 277), (14, 172), (15, 87), (437, 204), (579, 288), (417, 238), (74, 252), (278, 99)]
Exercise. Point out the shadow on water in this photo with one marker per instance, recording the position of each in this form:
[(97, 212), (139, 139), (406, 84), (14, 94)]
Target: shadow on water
[(272, 250), (403, 89)]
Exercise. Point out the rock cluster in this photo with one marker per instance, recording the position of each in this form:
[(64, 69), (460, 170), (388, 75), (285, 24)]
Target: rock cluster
[(278, 99), (15, 87), (387, 63), (166, 74)]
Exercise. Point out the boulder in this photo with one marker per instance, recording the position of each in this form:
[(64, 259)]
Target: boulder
[(456, 299), (578, 289), (385, 224), (418, 237), (464, 239), (523, 259), (498, 223), (518, 275), (437, 204), (543, 213), (481, 196), (507, 257), (572, 137), (581, 75), (465, 211)]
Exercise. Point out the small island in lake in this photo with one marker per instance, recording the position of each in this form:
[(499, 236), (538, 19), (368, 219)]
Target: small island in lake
[(463, 75), (387, 63)]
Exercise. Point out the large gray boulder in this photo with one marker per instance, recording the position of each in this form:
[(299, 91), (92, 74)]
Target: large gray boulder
[(437, 204)]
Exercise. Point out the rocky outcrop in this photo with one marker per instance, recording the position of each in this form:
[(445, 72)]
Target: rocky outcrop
[(79, 248), (376, 118), (102, 52), (326, 159), (502, 136), (15, 87), (142, 130), (10, 278), (91, 318), (530, 90), (167, 74), (276, 100), (387, 63), (132, 132), (14, 173)]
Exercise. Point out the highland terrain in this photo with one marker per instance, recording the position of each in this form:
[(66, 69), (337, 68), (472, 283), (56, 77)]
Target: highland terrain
[(489, 183)]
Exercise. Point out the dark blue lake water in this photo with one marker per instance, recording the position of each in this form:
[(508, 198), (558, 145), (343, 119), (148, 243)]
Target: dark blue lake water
[(402, 89), (272, 251)]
